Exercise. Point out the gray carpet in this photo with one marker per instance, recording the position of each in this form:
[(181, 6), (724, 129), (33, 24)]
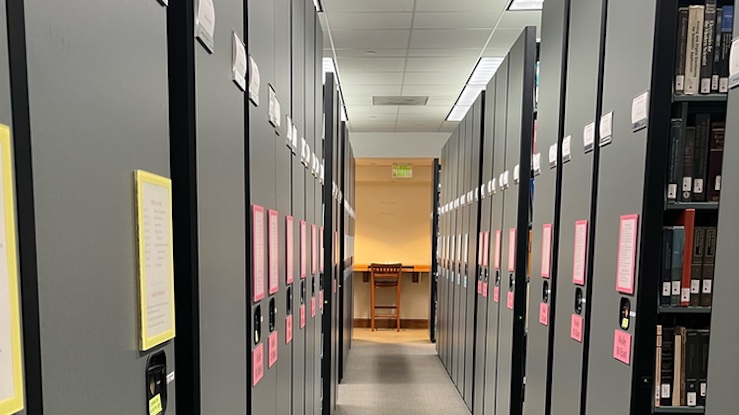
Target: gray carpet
[(394, 379)]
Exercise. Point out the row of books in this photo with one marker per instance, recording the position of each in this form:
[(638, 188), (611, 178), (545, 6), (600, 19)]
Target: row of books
[(695, 160), (681, 366), (688, 263), (704, 35)]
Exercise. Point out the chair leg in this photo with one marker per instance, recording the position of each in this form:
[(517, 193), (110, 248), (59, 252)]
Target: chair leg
[(397, 299), (372, 306)]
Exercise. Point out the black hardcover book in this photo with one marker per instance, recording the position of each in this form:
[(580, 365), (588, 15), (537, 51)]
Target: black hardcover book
[(667, 366), (715, 161), (675, 163), (688, 152), (727, 33), (709, 267), (700, 156), (709, 36), (699, 239), (703, 379), (717, 52), (665, 298), (682, 45), (693, 353)]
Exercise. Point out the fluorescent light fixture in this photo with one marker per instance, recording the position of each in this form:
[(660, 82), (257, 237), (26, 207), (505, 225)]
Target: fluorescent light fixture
[(318, 5), (478, 81), (330, 67), (518, 5), (344, 116)]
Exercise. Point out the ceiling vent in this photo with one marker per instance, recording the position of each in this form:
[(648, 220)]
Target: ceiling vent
[(400, 101)]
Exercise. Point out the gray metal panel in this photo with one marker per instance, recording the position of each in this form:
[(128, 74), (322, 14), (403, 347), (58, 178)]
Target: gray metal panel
[(222, 227), (459, 295), (724, 336), (95, 118), (544, 213), (627, 74), (577, 175), (317, 111)]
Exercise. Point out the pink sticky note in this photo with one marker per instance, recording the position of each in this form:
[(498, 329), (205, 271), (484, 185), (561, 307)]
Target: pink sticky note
[(314, 249), (580, 254), (312, 307), (479, 287), (302, 316), (628, 233), (272, 349), (509, 302), (273, 251), (622, 346), (576, 328), (334, 285), (485, 289), (512, 249), (259, 252), (289, 249), (496, 256), (496, 294), (303, 250), (320, 299), (480, 247), (288, 329), (546, 250), (544, 314), (320, 237), (257, 364)]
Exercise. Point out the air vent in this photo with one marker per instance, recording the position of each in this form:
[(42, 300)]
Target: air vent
[(400, 101)]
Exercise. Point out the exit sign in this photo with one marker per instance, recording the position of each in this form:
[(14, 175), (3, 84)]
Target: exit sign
[(402, 171)]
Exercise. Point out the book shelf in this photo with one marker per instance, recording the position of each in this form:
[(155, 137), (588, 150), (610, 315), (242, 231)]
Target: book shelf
[(680, 410)]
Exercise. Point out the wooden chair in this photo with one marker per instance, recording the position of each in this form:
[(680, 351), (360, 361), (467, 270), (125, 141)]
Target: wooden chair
[(386, 276)]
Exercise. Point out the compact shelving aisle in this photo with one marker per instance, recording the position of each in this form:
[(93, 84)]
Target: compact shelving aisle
[(634, 215)]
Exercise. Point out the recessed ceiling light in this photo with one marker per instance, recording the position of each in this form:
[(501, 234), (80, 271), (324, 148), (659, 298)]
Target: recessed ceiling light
[(478, 81), (519, 5)]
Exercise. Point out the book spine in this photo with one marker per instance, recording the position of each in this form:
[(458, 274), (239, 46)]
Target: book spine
[(709, 267), (675, 165), (717, 52), (703, 378), (709, 27), (700, 156), (688, 151), (681, 44), (665, 298), (697, 266), (667, 366), (678, 388), (688, 222), (658, 369), (678, 242), (715, 162), (727, 33), (694, 49), (692, 367)]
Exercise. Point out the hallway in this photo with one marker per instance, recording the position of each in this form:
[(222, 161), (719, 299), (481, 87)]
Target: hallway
[(391, 373)]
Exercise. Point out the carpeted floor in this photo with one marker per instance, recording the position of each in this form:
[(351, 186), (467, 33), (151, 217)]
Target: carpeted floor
[(391, 373)]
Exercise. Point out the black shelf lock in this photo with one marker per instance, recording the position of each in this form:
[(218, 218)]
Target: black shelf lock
[(156, 383)]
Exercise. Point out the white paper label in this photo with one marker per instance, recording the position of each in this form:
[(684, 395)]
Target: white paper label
[(675, 287), (294, 146), (170, 377), (640, 111), (672, 191), (685, 295), (304, 152), (692, 399), (516, 173), (666, 287), (717, 186), (254, 81), (567, 149), (666, 389), (707, 286), (687, 184), (734, 63), (494, 186), (698, 186), (703, 389), (553, 155), (606, 128), (205, 22), (275, 109), (588, 136), (506, 176), (238, 62), (537, 163), (695, 286), (680, 82)]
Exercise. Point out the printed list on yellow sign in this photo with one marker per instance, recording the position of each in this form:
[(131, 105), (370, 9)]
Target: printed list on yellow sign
[(155, 405)]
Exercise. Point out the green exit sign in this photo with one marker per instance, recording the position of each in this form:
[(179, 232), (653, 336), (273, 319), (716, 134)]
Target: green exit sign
[(402, 171)]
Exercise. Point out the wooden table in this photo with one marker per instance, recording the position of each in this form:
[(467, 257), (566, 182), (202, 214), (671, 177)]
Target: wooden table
[(415, 269)]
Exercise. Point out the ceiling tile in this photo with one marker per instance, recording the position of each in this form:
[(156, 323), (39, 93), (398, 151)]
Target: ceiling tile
[(448, 100), (518, 20), (371, 39), (504, 39), (370, 90), (421, 118), (371, 64), (460, 5), (417, 126), (455, 20), (449, 38), (437, 78), (370, 127), (373, 118), (441, 64), (369, 20), (359, 100), (368, 6), (379, 53), (372, 78), (449, 53), (431, 90), (374, 109), (434, 110)]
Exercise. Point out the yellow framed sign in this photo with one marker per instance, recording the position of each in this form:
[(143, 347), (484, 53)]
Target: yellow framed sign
[(11, 366), (155, 259)]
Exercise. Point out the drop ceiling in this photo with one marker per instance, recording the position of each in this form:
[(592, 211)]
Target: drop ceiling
[(413, 48)]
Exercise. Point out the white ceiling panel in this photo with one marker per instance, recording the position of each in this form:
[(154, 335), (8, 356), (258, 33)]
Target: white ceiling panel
[(449, 38), (421, 118), (353, 101), (359, 6), (371, 39), (417, 126), (440, 64), (372, 78), (436, 78), (369, 90), (434, 110), (374, 109), (455, 20), (431, 53), (371, 64), (503, 39), (374, 117), (370, 127), (460, 5), (446, 101), (431, 90), (518, 20), (370, 20), (379, 53)]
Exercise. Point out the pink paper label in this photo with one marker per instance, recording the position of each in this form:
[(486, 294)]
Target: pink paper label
[(486, 249), (496, 256), (289, 249), (335, 286), (257, 364), (480, 247), (303, 250), (288, 329), (320, 259), (544, 314), (622, 347), (509, 302), (580, 255), (479, 287), (258, 251), (320, 299), (546, 250), (512, 249), (485, 289), (313, 249), (302, 316), (576, 328), (626, 265), (273, 251), (273, 349), (496, 294), (312, 307)]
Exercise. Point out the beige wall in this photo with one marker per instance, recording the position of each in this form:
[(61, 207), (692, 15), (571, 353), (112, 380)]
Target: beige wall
[(393, 225)]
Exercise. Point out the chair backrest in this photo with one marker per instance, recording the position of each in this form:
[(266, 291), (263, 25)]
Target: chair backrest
[(386, 272)]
